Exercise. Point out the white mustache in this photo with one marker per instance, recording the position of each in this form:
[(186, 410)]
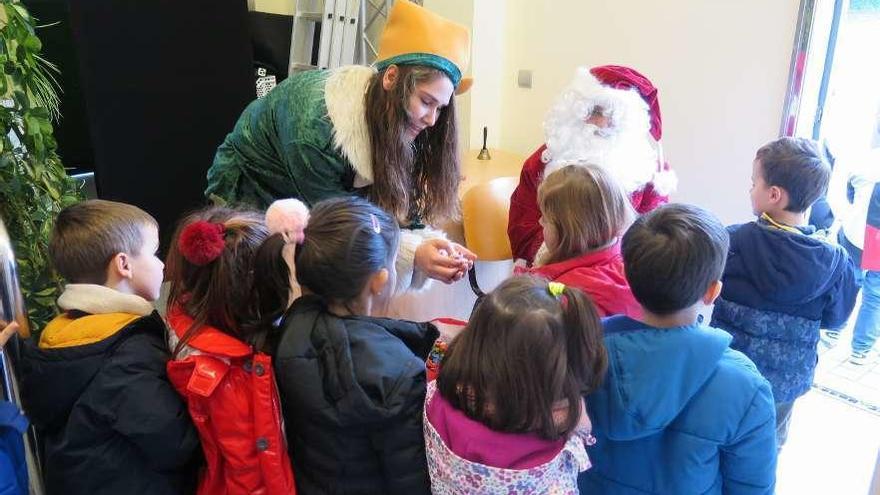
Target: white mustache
[(594, 130)]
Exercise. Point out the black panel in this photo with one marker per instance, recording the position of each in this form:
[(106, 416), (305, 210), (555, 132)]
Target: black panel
[(271, 37), (72, 129), (164, 82)]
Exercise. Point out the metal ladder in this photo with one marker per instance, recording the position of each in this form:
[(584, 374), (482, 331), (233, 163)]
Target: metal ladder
[(332, 33)]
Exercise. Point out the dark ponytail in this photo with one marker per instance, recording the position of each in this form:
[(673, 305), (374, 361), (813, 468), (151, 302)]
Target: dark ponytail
[(271, 288), (585, 340), (346, 241), (525, 350)]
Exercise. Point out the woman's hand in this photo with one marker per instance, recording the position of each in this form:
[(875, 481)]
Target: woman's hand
[(7, 331), (443, 260)]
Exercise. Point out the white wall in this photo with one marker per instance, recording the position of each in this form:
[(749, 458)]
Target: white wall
[(721, 66), (488, 71), (462, 12)]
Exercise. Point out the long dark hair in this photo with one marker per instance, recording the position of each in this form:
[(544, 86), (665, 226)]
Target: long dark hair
[(418, 179), (523, 351), (220, 293), (347, 240)]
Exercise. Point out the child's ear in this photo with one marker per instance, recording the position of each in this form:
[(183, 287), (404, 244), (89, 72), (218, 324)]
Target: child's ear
[(778, 195), (119, 267), (378, 281), (712, 292)]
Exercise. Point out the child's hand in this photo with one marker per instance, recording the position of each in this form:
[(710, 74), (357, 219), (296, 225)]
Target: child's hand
[(8, 330)]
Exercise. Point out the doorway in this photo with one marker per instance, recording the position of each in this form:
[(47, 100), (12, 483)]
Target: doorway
[(834, 98)]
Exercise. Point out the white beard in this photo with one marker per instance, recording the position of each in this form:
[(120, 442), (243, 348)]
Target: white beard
[(624, 148), (630, 157)]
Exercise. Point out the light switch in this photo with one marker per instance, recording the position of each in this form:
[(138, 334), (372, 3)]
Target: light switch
[(524, 78)]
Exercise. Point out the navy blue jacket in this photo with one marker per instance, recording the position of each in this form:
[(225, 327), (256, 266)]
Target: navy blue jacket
[(110, 421), (780, 288), (679, 413), (353, 393)]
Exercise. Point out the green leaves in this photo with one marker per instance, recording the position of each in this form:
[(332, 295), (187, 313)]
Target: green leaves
[(34, 186)]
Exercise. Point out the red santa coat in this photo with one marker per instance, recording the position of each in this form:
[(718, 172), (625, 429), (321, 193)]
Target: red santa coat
[(231, 396), (523, 229)]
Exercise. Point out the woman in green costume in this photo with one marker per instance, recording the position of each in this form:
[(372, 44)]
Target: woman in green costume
[(387, 133)]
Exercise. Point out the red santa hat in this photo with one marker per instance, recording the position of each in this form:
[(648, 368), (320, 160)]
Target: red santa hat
[(620, 77), (630, 145)]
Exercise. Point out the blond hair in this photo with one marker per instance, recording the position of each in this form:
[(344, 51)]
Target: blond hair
[(586, 206), (88, 235)]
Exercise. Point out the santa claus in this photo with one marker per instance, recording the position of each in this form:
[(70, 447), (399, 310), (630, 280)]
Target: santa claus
[(609, 116)]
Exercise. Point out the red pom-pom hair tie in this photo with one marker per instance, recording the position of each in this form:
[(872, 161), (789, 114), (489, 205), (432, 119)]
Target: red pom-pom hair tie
[(202, 242)]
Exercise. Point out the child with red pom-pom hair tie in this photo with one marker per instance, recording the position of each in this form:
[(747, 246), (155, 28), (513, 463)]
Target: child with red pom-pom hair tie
[(220, 328)]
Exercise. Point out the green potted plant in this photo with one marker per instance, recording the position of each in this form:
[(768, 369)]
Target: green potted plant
[(34, 186)]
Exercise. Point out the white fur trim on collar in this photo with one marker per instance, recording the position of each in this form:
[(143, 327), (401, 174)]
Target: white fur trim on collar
[(98, 299), (344, 97)]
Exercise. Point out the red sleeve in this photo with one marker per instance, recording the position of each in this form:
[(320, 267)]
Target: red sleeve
[(523, 229)]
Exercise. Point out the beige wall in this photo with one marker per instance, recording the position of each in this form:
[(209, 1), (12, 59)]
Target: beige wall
[(721, 67), (287, 7)]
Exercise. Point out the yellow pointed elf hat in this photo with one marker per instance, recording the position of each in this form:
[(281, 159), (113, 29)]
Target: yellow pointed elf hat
[(417, 36)]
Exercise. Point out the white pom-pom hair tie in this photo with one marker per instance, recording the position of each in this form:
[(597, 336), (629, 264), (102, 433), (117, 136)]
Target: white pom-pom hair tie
[(289, 218)]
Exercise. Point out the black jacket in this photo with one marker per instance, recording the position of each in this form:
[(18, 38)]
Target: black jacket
[(109, 419), (352, 391)]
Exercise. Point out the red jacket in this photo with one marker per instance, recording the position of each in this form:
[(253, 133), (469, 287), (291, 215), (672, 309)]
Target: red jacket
[(523, 229), (231, 395), (600, 275)]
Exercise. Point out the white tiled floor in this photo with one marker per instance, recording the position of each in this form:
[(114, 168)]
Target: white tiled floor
[(835, 432), (837, 373), (832, 448)]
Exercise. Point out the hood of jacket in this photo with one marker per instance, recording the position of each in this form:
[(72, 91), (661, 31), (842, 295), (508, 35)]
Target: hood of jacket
[(652, 375)]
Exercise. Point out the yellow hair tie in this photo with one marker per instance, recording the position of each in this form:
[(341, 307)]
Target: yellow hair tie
[(556, 289)]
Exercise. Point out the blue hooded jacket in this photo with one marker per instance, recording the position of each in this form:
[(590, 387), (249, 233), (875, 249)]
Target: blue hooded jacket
[(780, 287), (679, 413), (13, 466)]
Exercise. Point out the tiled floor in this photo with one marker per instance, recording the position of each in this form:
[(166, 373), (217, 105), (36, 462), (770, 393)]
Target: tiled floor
[(832, 448), (836, 373), (835, 432)]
